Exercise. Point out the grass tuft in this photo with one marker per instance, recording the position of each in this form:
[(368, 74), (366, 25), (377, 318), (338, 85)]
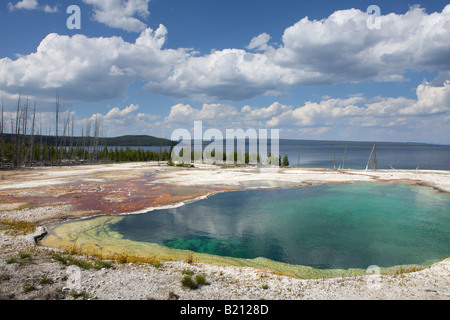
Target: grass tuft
[(28, 288), (188, 283), (4, 277), (24, 258), (69, 260), (403, 270), (12, 261), (187, 272), (190, 258), (45, 280), (200, 279), (83, 295)]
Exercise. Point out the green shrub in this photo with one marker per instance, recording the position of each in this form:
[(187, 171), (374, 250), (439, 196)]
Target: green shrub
[(83, 264), (100, 264), (77, 295), (25, 256), (12, 261), (188, 272), (188, 282), (4, 277), (28, 288), (16, 227), (200, 279), (45, 280)]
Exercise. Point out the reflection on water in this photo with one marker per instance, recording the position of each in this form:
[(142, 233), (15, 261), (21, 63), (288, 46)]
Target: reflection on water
[(325, 226)]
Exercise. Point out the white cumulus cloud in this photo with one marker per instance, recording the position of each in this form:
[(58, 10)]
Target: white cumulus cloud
[(337, 49), (333, 118), (31, 5), (24, 4), (121, 14), (88, 69), (126, 120)]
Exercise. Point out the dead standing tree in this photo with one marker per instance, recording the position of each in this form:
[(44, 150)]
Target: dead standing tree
[(32, 136), (57, 122), (2, 138)]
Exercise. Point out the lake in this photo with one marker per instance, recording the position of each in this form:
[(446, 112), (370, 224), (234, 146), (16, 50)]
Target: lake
[(330, 154), (424, 157)]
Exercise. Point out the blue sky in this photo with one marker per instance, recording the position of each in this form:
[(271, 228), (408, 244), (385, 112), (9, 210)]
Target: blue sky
[(313, 69)]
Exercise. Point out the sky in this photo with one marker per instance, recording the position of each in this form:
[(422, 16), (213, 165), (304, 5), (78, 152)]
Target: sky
[(323, 70)]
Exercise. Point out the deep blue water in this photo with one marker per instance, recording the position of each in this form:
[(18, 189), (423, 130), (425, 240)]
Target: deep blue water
[(356, 157), (330, 155)]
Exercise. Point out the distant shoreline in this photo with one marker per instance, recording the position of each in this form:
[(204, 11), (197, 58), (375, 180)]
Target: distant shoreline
[(153, 141)]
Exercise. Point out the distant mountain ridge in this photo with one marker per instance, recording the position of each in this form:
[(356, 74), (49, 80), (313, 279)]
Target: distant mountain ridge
[(351, 143), (137, 141), (147, 141), (121, 141)]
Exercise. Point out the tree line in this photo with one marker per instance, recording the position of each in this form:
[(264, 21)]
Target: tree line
[(24, 144), (236, 156)]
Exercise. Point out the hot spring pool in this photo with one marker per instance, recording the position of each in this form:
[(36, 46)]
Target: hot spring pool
[(327, 226)]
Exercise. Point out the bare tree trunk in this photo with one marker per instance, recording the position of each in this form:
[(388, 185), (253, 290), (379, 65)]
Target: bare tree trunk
[(96, 135), (2, 138), (12, 142), (57, 122), (84, 142), (47, 151), (105, 156), (23, 144), (32, 136), (370, 157), (63, 143), (72, 156), (334, 160), (88, 139), (41, 150), (375, 161), (77, 141), (345, 152), (15, 143)]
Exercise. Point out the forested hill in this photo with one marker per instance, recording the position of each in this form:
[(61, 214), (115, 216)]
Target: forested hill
[(137, 141), (125, 141)]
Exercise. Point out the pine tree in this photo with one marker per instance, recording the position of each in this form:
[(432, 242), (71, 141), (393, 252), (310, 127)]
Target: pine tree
[(285, 161)]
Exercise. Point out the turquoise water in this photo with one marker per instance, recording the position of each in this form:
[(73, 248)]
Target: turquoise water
[(326, 226)]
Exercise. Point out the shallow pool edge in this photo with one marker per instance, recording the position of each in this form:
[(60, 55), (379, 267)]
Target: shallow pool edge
[(93, 237)]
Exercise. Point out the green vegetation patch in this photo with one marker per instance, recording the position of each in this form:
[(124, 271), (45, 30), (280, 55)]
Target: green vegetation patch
[(69, 260), (17, 227)]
